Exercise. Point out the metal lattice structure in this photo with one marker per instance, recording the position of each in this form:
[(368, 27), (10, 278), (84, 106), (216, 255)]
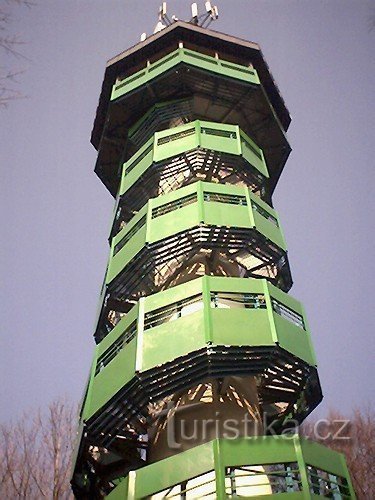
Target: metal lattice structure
[(195, 323)]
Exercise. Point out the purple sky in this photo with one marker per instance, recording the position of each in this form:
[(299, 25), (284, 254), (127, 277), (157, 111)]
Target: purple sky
[(56, 213)]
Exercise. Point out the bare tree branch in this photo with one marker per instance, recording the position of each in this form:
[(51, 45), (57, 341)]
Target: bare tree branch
[(36, 454), (9, 49)]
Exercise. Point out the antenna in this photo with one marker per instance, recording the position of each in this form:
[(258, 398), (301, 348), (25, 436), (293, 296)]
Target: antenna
[(163, 10), (164, 20), (204, 20), (163, 16), (194, 13)]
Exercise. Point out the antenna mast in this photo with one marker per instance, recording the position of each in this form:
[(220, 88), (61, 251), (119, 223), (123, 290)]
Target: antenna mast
[(204, 20)]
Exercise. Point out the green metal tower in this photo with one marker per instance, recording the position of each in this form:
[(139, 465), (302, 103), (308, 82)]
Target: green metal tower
[(204, 364)]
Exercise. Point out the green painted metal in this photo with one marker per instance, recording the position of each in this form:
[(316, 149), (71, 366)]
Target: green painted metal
[(190, 57), (221, 453), (171, 142), (178, 336), (201, 211), (329, 461), (107, 382)]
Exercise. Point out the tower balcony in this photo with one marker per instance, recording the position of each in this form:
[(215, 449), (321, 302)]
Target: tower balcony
[(195, 151), (203, 228), (209, 328), (127, 85), (286, 466), (220, 91)]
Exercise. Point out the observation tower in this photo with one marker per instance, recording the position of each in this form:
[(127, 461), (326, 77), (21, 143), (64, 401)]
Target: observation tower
[(204, 365)]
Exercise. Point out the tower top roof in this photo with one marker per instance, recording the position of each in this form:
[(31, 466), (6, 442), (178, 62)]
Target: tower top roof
[(132, 59)]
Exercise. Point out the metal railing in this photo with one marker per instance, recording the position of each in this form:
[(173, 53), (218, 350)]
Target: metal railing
[(172, 311), (174, 205), (264, 213), (127, 236), (236, 299), (288, 314), (112, 351), (189, 57), (327, 484), (262, 479)]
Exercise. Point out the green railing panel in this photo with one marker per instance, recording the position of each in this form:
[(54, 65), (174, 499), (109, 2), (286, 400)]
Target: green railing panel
[(112, 378), (218, 127), (220, 137), (121, 492), (269, 229), (129, 226), (117, 331), (173, 222), (221, 66), (257, 450), (323, 458), (228, 215), (145, 75), (203, 191), (190, 57), (86, 400), (172, 142), (132, 247), (241, 327), (286, 299), (266, 220), (224, 284), (170, 471), (137, 165), (294, 339), (170, 340), (250, 151), (208, 135)]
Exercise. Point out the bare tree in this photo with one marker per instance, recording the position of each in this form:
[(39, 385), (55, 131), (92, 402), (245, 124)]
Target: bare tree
[(35, 456), (9, 50), (354, 436), (35, 452)]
